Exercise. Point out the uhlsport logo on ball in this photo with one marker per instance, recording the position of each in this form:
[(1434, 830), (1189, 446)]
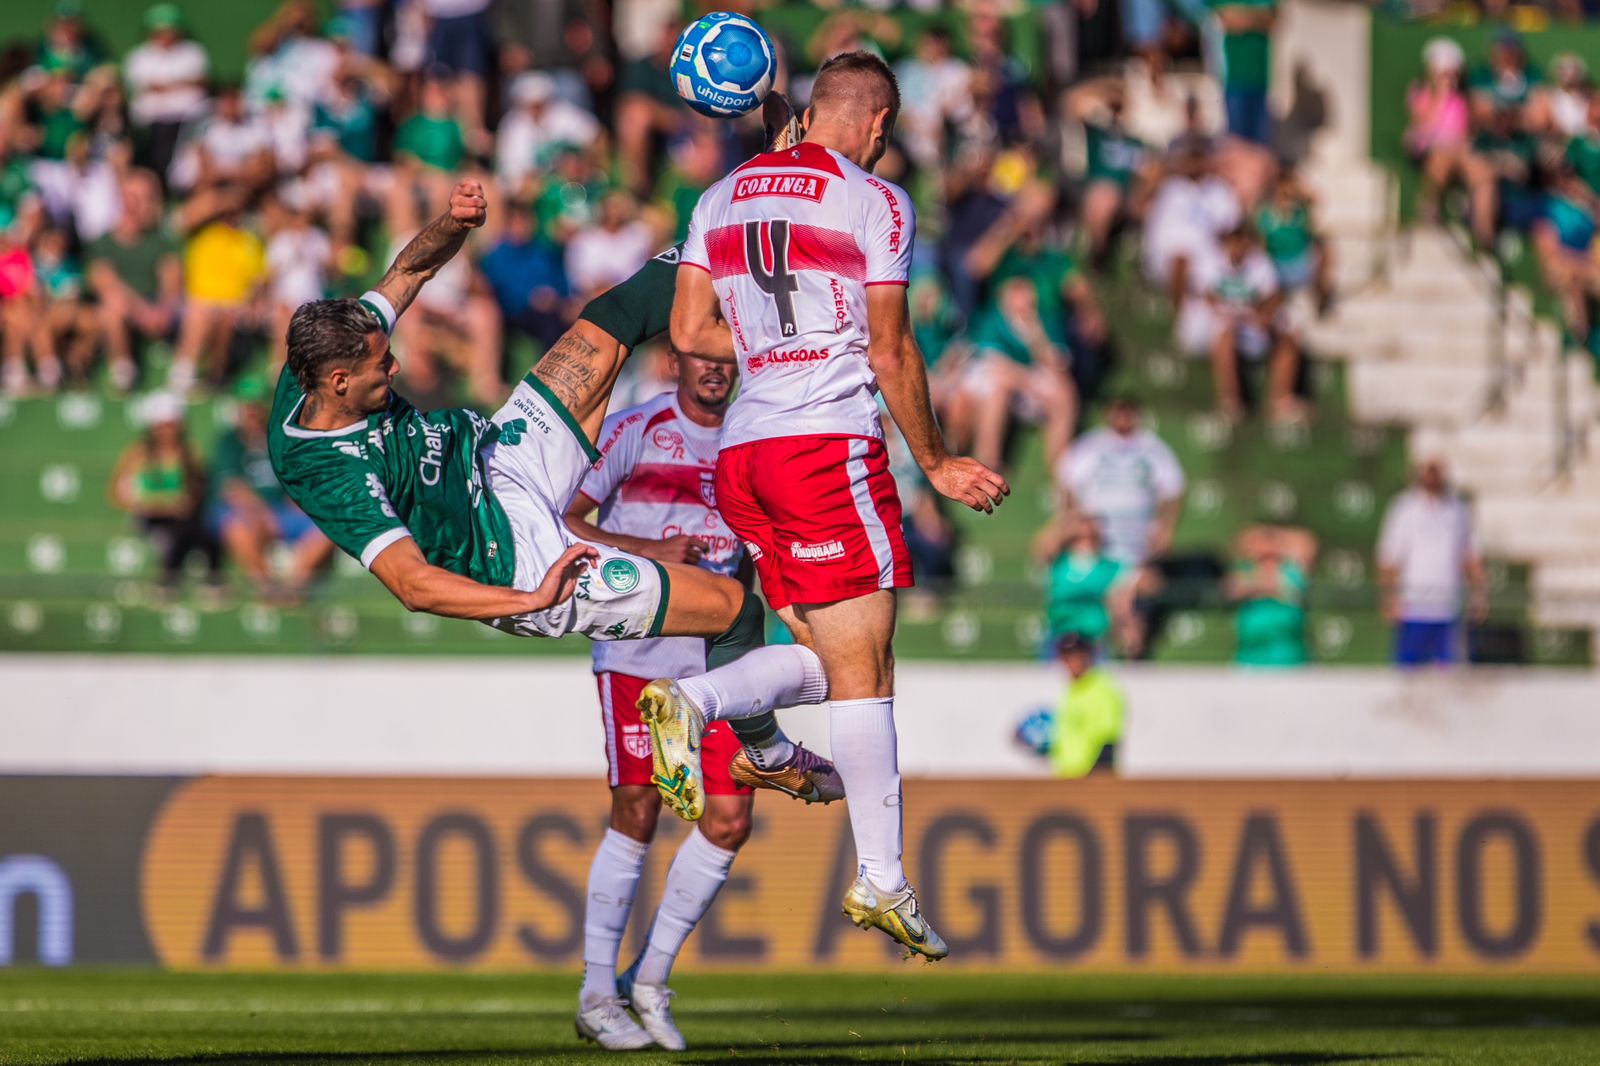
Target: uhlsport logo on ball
[(723, 64)]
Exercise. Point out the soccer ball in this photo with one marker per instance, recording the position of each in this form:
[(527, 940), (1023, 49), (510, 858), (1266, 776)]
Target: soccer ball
[(723, 65)]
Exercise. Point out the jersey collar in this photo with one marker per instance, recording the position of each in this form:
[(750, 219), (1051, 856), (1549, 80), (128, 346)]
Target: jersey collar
[(291, 429)]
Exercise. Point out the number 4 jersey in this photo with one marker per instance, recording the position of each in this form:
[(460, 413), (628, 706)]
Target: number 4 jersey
[(792, 241)]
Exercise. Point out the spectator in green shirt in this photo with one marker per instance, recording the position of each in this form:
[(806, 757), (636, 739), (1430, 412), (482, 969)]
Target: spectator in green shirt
[(1088, 592), (249, 510), (1246, 27), (428, 149), (1507, 79), (135, 276), (1268, 584), (1089, 718), (1289, 235), (1117, 165)]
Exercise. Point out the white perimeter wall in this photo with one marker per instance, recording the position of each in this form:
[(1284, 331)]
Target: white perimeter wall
[(71, 714)]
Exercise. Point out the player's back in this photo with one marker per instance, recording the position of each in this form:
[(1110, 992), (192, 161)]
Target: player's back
[(792, 241)]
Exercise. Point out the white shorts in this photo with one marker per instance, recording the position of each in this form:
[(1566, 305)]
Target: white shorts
[(535, 468), (1198, 324)]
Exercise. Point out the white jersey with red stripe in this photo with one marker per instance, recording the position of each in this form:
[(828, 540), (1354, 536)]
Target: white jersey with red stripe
[(792, 240), (654, 479)]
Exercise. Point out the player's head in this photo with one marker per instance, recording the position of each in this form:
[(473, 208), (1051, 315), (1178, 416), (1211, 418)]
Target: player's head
[(854, 103), (339, 352), (702, 383)]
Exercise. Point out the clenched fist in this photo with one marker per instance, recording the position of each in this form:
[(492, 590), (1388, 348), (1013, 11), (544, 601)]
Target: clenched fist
[(468, 207)]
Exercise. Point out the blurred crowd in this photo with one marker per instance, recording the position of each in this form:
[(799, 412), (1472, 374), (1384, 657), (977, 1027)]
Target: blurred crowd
[(159, 224), (1519, 146)]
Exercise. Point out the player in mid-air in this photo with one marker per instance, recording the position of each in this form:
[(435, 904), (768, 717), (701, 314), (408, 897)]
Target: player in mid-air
[(652, 488), (463, 517), (796, 266)]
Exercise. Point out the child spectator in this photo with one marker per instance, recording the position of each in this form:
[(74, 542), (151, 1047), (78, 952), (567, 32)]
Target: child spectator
[(1288, 233), (67, 333), (1268, 584), (158, 480)]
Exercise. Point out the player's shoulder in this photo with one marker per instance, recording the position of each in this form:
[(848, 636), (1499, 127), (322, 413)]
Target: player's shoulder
[(633, 422)]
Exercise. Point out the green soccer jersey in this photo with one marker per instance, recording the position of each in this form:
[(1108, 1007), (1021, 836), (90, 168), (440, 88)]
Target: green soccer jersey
[(1247, 56), (1285, 232), (1113, 155), (397, 473), (237, 459)]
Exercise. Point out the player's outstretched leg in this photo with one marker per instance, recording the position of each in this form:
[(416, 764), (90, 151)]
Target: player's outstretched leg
[(743, 693)]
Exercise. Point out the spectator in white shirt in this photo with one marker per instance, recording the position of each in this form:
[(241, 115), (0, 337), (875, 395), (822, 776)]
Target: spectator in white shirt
[(538, 122), (166, 78), (227, 160), (1125, 478), (608, 252), (1190, 208), (1233, 312), (1429, 570), (299, 256)]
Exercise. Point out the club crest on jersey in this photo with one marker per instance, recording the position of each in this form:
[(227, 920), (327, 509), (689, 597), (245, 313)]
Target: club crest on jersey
[(799, 186), (620, 575), (708, 488)]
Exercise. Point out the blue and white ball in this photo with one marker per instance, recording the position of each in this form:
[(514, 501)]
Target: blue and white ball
[(723, 65)]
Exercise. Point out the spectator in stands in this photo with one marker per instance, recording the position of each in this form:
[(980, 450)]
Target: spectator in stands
[(428, 148), (1088, 592), (249, 511), (80, 191), (66, 334), (1437, 138), (1118, 166), (1569, 94), (1017, 368), (538, 122), (344, 179), (1430, 571), (454, 323), (1507, 80), (1300, 256), (1128, 481), (1268, 583), (1233, 314), (1190, 208), (166, 78), (224, 263), (608, 252), (647, 109), (1088, 721), (1582, 153), (1246, 27), (69, 45), (529, 281), (159, 481), (20, 308), (135, 277), (1564, 238), (459, 42), (1500, 177), (299, 257), (935, 90)]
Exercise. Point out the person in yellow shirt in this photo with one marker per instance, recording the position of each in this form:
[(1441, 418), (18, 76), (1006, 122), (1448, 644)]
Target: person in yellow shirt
[(223, 265), (1088, 720)]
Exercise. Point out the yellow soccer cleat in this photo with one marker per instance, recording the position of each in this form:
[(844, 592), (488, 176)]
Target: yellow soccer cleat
[(676, 726), (896, 914), (807, 776)]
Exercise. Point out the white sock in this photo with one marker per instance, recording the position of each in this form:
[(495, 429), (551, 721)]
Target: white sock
[(697, 874), (765, 679), (613, 879), (863, 743)]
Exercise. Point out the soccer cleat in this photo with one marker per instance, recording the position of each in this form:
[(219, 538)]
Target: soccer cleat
[(783, 128), (896, 914), (807, 776), (608, 1024), (676, 726), (653, 1005)]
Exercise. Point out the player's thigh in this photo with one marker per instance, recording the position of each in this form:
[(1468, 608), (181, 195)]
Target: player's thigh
[(854, 639), (798, 627), (735, 485), (698, 602)]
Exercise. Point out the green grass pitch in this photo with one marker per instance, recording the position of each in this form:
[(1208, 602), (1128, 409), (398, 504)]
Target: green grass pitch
[(919, 1015)]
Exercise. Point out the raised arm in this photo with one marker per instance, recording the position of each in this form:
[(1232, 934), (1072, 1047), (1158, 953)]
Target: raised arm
[(903, 381), (434, 246)]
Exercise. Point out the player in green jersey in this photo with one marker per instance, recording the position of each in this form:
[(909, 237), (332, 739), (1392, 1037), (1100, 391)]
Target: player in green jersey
[(461, 516)]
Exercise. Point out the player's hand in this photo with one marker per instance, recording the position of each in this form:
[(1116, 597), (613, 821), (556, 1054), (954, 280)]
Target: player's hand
[(970, 482), (561, 580), (468, 207), (679, 549)]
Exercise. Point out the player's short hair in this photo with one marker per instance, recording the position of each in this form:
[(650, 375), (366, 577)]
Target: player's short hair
[(856, 81), (328, 333)]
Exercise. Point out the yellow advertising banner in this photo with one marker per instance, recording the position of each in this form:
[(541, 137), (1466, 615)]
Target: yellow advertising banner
[(1258, 876)]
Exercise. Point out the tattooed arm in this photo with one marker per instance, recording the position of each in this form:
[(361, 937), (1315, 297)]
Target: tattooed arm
[(580, 369), (434, 246)]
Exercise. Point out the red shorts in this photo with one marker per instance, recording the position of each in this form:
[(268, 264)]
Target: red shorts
[(819, 515), (628, 739)]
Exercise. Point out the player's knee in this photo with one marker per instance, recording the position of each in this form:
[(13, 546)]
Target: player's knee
[(728, 830), (635, 816)]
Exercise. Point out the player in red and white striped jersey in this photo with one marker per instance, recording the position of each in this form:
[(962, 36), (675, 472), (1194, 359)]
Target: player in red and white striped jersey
[(796, 267), (652, 486)]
